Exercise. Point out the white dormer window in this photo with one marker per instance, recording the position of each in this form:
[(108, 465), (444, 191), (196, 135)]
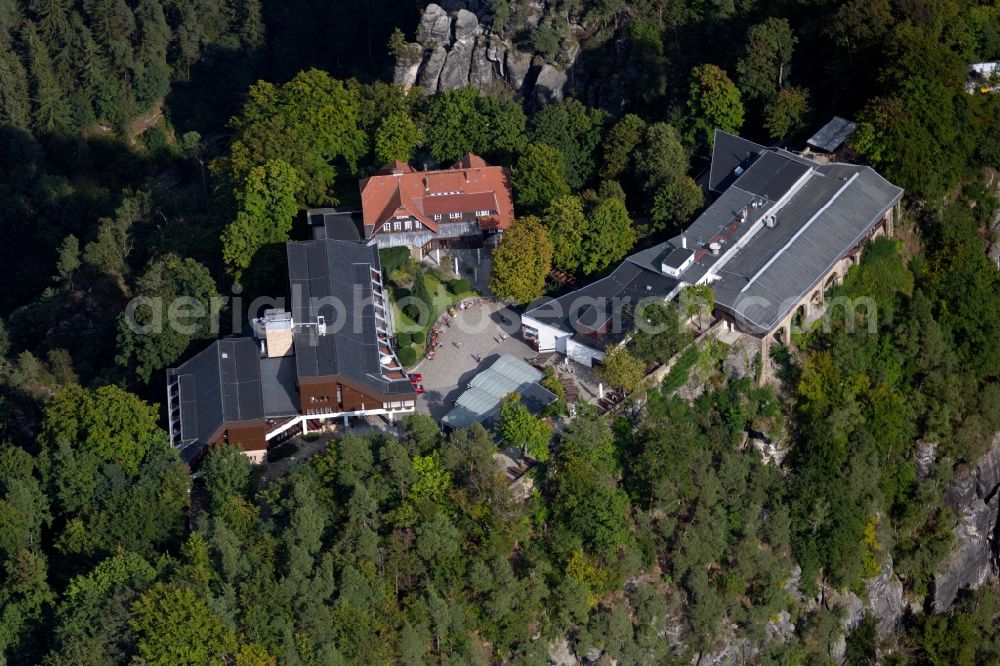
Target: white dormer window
[(417, 225), (407, 225), (437, 217), (482, 213), (397, 225), (454, 216), (387, 226)]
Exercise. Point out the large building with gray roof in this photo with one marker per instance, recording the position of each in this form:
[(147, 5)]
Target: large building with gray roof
[(329, 357), (781, 231)]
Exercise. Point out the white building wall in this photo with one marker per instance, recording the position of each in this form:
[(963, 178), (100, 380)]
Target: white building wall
[(548, 336), (582, 354)]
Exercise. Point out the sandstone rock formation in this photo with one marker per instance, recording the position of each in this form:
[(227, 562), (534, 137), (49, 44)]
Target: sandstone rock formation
[(975, 497), (455, 48)]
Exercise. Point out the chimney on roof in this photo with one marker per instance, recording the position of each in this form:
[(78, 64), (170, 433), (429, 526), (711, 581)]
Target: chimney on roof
[(425, 166), (684, 242)]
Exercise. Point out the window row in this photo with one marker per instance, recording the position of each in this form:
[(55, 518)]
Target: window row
[(404, 225)]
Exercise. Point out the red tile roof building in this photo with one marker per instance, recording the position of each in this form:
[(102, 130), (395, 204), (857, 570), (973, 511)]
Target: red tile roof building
[(461, 204)]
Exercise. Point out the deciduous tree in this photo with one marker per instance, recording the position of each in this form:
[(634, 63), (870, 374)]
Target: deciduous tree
[(622, 370), (267, 201), (609, 236), (521, 261), (661, 157), (539, 177), (787, 113), (765, 65), (112, 423), (519, 428), (179, 304), (566, 224), (713, 102), (307, 123), (176, 627), (674, 203), (396, 138)]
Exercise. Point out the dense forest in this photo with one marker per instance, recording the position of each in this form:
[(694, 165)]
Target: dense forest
[(167, 147)]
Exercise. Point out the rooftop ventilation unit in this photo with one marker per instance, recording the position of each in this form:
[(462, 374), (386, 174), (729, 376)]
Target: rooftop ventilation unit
[(715, 248), (738, 171), (770, 222)]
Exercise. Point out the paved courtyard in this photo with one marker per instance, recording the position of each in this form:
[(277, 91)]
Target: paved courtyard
[(475, 338)]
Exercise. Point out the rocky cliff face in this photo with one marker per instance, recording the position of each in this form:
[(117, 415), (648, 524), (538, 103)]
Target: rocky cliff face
[(975, 497), (455, 47)]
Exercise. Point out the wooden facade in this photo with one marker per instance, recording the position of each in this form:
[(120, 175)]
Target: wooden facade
[(336, 394)]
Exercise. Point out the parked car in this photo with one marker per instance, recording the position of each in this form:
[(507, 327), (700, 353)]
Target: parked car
[(419, 388), (416, 378)]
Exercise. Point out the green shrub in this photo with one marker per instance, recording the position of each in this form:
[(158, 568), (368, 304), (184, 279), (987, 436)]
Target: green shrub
[(458, 286), (681, 370), (403, 339), (311, 436), (552, 383), (399, 293), (407, 356), (393, 258), (418, 337), (157, 139)]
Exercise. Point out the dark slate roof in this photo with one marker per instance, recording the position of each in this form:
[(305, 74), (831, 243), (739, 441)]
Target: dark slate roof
[(608, 300), (772, 175), (674, 257), (832, 135), (281, 397), (220, 384), (336, 224), (728, 153), (332, 279)]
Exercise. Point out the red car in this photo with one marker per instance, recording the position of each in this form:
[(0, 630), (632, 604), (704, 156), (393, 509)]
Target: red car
[(416, 378), (419, 388)]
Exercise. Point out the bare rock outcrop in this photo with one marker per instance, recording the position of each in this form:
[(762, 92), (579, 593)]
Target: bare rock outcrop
[(408, 66), (550, 84), (466, 26), (455, 72), (885, 599), (975, 497), (456, 46), (924, 458), (518, 66), (434, 28), (431, 71)]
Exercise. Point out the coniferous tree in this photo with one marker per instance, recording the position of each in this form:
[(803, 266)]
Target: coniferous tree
[(152, 71), (49, 113), (15, 99)]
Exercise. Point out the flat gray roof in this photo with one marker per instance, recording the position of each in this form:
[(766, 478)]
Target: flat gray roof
[(761, 270), (824, 218), (832, 135), (278, 386)]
